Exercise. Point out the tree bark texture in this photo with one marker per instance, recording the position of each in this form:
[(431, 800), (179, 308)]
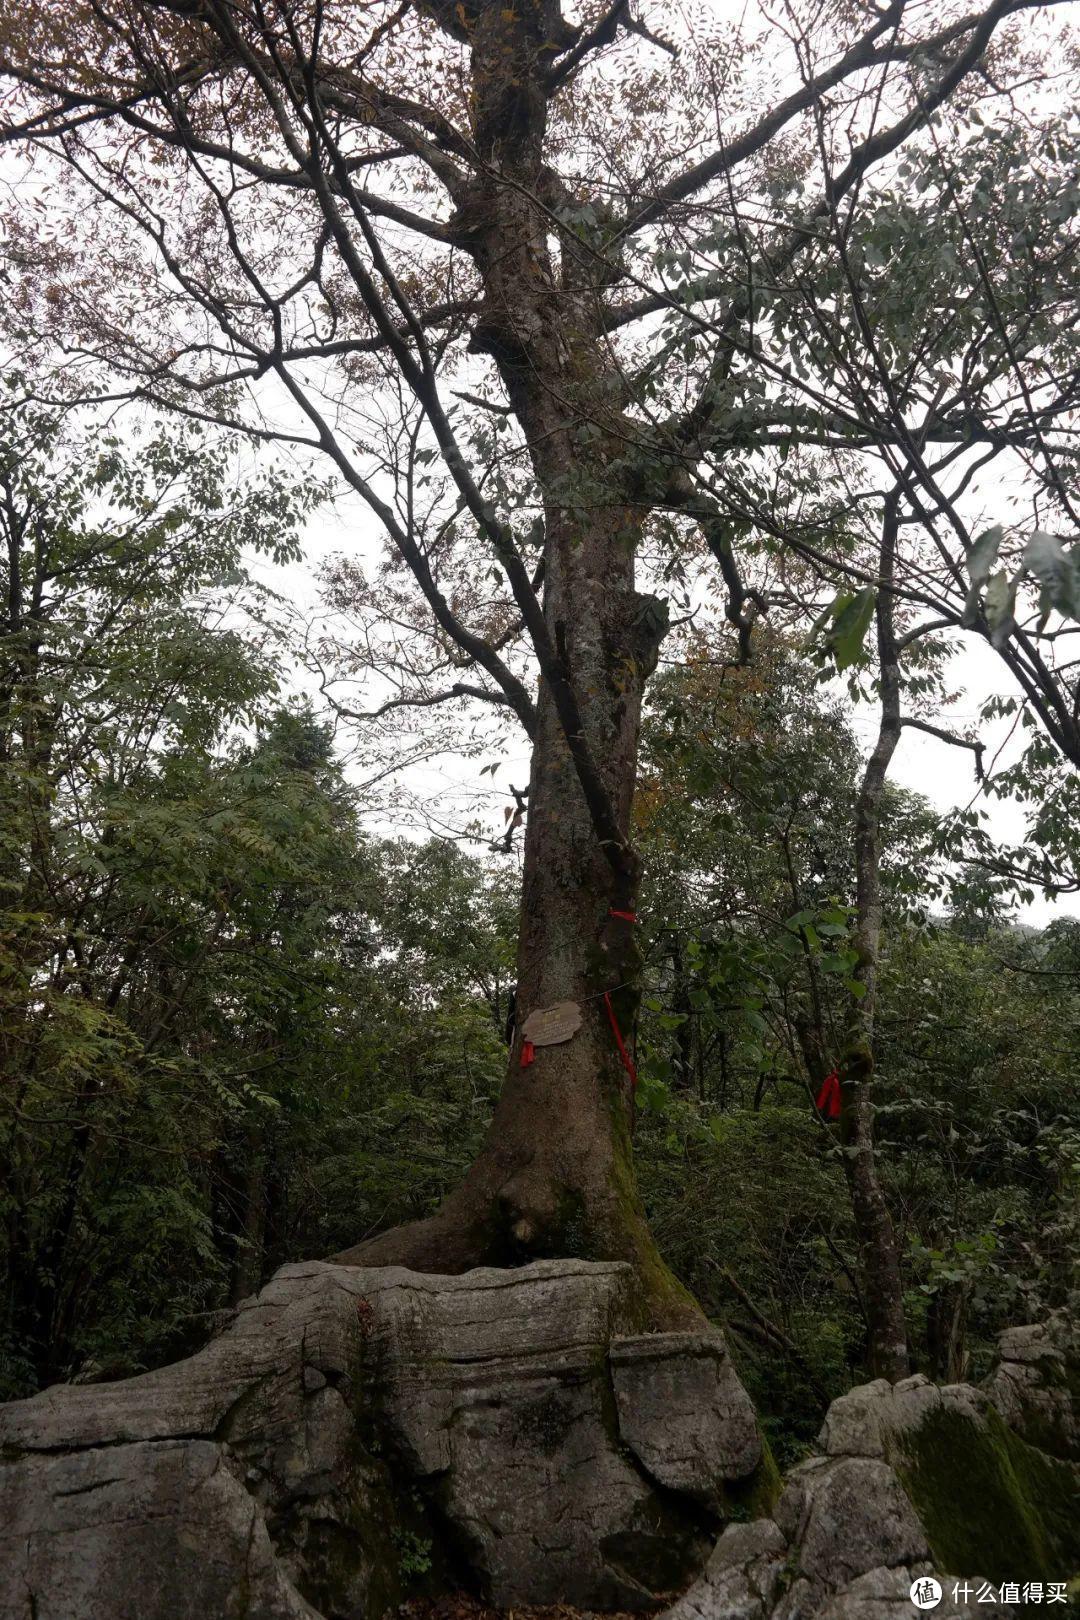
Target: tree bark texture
[(887, 1345)]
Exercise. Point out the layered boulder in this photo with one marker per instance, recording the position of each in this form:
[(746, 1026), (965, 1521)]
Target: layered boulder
[(912, 1481), (358, 1434)]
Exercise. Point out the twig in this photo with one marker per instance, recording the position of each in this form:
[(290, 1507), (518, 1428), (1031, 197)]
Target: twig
[(773, 1332)]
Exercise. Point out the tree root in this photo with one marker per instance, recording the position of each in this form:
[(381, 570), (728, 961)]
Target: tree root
[(477, 1227)]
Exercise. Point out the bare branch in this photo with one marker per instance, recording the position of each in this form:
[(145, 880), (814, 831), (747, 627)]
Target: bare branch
[(977, 748)]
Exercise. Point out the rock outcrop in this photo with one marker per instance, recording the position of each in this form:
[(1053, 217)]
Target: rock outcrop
[(355, 1436), (1036, 1385), (355, 1433), (911, 1481)]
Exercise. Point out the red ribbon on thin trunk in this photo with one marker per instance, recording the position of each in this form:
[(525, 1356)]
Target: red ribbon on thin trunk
[(828, 1098), (627, 1060)]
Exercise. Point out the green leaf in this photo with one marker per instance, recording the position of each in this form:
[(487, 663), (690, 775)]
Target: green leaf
[(1000, 605), (1057, 572), (834, 607), (850, 626), (983, 554), (799, 919), (980, 560)]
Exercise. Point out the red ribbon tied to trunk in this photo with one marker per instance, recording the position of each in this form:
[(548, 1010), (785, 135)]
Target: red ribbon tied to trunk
[(828, 1098), (627, 1060)]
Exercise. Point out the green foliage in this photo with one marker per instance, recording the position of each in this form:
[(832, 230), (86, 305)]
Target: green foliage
[(138, 837), (414, 1554), (844, 624), (745, 817), (203, 965), (760, 1195)]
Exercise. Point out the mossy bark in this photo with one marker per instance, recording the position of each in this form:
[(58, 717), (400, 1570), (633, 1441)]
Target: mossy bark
[(555, 1176)]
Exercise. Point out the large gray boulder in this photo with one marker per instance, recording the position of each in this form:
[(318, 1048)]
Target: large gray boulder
[(160, 1529), (683, 1412), (844, 1516), (742, 1579), (885, 1594), (1036, 1384), (354, 1431)]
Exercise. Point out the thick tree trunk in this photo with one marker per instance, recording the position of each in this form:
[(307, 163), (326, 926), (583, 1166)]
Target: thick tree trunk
[(555, 1176)]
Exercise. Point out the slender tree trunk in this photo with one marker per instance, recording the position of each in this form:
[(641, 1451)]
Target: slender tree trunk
[(247, 1267), (684, 1035), (946, 1323), (879, 1257)]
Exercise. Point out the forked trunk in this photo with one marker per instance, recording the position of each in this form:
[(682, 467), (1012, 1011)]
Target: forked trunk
[(555, 1176)]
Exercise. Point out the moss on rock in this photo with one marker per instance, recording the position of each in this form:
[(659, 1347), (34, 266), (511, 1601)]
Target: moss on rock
[(988, 1501), (756, 1496)]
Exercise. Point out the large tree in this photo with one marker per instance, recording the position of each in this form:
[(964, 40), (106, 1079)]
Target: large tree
[(445, 245)]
